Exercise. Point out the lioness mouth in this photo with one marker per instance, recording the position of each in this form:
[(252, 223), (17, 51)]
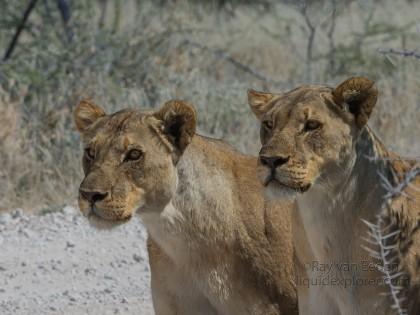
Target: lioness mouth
[(271, 178), (304, 188), (97, 213), (268, 179)]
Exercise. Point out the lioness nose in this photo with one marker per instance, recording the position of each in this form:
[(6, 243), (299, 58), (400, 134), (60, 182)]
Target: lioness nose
[(92, 196), (273, 161)]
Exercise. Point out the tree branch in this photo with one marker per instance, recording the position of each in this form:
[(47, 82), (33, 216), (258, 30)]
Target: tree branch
[(309, 47), (19, 29), (65, 12), (330, 34), (225, 56), (403, 53)]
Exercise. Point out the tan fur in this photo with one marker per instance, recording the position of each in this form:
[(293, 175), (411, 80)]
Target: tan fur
[(216, 246), (87, 113), (335, 167)]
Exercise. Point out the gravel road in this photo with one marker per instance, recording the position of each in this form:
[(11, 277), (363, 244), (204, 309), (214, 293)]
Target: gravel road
[(57, 264)]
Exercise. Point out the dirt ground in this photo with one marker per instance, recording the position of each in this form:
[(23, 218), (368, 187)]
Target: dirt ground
[(56, 263)]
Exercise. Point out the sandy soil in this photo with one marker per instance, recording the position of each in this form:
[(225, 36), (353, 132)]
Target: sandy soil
[(57, 264)]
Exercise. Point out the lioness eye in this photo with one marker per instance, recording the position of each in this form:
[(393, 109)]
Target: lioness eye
[(133, 155), (90, 153), (312, 125), (268, 124)]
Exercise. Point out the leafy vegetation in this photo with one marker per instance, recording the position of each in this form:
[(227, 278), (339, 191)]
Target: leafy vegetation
[(143, 53)]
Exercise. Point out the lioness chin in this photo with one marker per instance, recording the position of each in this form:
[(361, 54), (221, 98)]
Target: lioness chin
[(216, 246), (316, 146)]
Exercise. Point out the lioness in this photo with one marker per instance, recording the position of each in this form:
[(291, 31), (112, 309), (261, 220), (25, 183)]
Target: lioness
[(317, 147), (216, 246)]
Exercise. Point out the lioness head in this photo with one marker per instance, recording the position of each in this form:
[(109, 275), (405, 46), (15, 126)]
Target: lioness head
[(130, 157), (310, 131)]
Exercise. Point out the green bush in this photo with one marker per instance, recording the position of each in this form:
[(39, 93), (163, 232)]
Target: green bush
[(143, 53)]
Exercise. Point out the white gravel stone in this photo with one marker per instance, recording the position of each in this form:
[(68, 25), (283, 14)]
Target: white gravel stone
[(55, 264), (68, 210), (17, 213), (5, 218)]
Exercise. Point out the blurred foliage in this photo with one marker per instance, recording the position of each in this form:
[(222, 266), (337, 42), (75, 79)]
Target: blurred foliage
[(142, 53)]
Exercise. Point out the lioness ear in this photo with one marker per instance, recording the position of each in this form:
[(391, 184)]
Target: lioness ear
[(360, 94), (86, 113), (260, 102), (179, 123)]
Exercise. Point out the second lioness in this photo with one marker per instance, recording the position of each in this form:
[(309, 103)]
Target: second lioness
[(362, 255), (216, 246)]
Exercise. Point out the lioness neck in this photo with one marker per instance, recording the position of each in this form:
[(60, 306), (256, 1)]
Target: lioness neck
[(185, 222), (332, 212), (334, 206)]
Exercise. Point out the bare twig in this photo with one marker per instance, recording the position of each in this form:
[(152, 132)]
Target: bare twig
[(64, 8), (361, 37), (117, 16), (303, 9), (103, 7), (19, 29), (381, 235), (227, 57), (403, 53), (330, 35), (395, 191), (65, 12)]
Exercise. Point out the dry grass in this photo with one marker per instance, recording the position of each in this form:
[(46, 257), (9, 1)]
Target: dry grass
[(195, 52)]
